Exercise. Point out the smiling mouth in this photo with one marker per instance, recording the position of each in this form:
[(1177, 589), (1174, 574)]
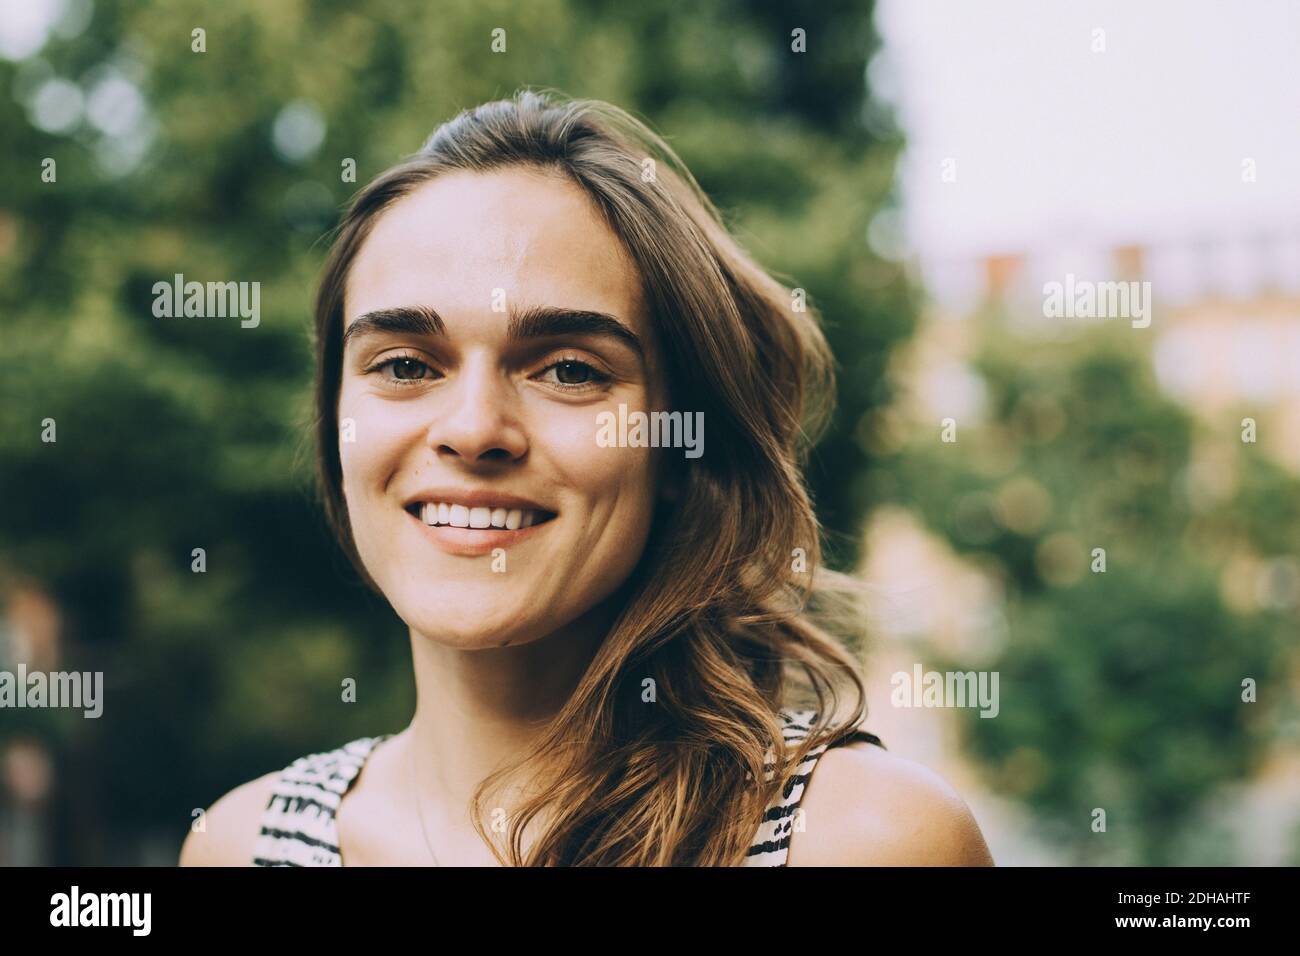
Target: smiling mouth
[(444, 514)]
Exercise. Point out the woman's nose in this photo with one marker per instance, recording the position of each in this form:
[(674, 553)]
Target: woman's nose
[(475, 415)]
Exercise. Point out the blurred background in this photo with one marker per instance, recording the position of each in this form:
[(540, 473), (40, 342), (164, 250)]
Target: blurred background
[(920, 169)]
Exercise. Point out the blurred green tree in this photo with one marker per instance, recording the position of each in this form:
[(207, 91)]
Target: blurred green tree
[(1120, 690), (176, 435)]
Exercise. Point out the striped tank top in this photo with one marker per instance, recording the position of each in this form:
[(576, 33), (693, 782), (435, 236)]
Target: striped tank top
[(299, 828)]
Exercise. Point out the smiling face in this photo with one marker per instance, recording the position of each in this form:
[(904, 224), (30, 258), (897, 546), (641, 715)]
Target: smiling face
[(489, 318)]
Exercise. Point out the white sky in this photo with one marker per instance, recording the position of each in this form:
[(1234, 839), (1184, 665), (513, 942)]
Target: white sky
[(1054, 142)]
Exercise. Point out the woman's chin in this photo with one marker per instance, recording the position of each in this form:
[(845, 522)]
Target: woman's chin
[(473, 627)]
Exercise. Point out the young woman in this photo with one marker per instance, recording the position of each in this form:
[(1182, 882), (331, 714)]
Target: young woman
[(609, 622)]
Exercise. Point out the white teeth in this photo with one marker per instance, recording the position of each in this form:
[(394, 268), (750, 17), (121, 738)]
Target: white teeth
[(463, 516)]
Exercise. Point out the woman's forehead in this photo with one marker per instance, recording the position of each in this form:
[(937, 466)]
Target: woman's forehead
[(474, 241)]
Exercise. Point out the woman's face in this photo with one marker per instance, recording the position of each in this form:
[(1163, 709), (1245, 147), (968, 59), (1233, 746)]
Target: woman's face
[(489, 318)]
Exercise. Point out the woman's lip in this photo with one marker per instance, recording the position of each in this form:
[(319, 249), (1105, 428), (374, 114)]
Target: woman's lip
[(474, 542)]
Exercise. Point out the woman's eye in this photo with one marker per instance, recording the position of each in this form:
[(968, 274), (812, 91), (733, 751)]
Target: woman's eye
[(573, 374), (566, 375), (403, 369)]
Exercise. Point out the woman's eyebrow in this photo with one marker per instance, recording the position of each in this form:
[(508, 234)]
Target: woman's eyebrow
[(534, 322), (543, 321), (404, 320)]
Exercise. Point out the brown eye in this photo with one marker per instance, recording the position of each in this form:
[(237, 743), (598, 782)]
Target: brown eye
[(407, 368), (573, 373), (402, 370)]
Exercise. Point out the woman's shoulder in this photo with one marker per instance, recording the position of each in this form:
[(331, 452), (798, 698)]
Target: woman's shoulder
[(865, 806), (232, 826)]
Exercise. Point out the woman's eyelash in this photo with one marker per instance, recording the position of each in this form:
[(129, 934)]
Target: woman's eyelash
[(394, 361), (594, 376)]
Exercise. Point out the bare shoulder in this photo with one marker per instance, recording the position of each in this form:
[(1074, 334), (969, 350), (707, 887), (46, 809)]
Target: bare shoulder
[(231, 826), (864, 806)]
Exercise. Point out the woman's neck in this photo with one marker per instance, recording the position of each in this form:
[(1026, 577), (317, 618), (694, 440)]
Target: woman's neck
[(479, 710)]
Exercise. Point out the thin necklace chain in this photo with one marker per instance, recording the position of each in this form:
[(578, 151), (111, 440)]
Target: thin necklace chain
[(415, 791)]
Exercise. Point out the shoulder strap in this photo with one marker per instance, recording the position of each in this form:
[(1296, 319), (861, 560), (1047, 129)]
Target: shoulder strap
[(298, 824), (860, 735), (771, 843)]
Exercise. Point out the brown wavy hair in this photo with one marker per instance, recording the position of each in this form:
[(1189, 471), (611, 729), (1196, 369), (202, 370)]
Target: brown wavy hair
[(718, 613)]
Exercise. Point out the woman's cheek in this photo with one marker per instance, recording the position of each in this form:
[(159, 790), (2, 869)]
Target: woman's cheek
[(349, 429), (571, 447), (371, 443)]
